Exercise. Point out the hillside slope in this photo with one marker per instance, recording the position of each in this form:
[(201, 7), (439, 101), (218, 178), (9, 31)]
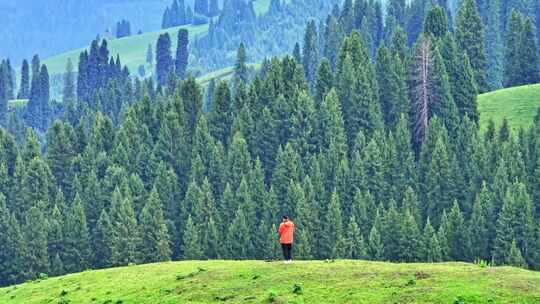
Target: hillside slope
[(301, 282), (132, 49), (518, 105)]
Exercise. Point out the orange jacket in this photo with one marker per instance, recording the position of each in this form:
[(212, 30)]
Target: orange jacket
[(286, 232)]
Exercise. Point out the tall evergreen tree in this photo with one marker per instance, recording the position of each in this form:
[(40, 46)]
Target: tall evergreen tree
[(35, 234), (182, 54), (436, 23), (154, 233), (240, 67), (24, 86), (77, 254), (164, 60), (103, 240), (310, 54), (528, 54), (470, 38)]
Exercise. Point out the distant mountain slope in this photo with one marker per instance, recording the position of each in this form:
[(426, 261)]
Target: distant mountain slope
[(518, 105), (49, 27), (302, 282), (132, 49)]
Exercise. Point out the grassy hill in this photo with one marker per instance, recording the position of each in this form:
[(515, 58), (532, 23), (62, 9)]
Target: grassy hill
[(302, 282), (517, 104), (132, 49)]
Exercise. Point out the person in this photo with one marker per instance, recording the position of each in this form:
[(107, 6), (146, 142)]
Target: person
[(286, 238)]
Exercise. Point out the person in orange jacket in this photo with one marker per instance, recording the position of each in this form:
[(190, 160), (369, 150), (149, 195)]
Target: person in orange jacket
[(286, 238)]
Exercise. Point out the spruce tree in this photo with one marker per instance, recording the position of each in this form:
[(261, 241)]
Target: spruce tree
[(325, 81), (332, 238), (240, 67), (154, 233), (238, 237), (164, 60), (150, 55), (392, 87), (433, 252), (375, 245), (355, 247), (35, 236), (469, 33), (220, 117), (436, 23), (191, 242), (24, 86), (511, 52), (411, 245), (125, 230), (494, 45), (182, 54), (103, 239), (13, 248), (77, 254), (515, 258), (528, 54), (310, 54)]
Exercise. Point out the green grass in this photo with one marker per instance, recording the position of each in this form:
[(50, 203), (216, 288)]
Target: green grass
[(17, 103), (223, 74), (302, 282), (132, 49), (518, 105)]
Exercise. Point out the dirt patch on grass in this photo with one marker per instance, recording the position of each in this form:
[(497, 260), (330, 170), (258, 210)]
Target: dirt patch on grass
[(421, 275)]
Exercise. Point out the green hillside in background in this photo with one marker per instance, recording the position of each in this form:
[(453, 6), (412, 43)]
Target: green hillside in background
[(518, 105), (343, 281), (132, 49)]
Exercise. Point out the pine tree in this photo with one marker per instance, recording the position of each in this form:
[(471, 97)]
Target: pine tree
[(154, 233), (125, 230), (240, 67), (238, 237), (494, 44), (220, 117), (511, 53), (470, 38), (103, 239), (77, 254), (430, 91), (150, 55), (355, 247), (35, 236), (436, 23), (375, 246), (332, 41), (332, 238), (433, 252), (392, 87), (411, 245), (191, 242), (182, 54), (515, 258), (325, 81), (13, 248), (357, 88), (346, 17), (24, 87), (164, 60), (310, 54), (528, 54), (479, 224)]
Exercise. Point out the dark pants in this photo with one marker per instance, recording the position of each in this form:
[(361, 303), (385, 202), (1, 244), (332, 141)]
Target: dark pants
[(287, 251)]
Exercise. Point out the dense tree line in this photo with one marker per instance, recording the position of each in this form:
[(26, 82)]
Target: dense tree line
[(177, 14), (123, 29)]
